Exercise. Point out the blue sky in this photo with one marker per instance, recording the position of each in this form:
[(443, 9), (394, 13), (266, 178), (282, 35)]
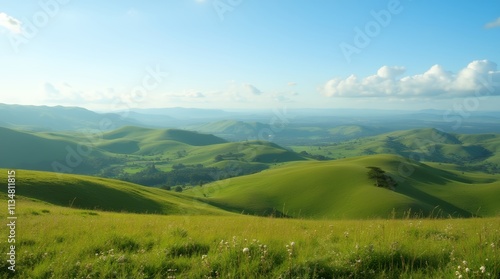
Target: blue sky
[(392, 54)]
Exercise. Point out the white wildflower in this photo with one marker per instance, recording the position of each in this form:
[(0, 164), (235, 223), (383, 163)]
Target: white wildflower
[(483, 269), (246, 250)]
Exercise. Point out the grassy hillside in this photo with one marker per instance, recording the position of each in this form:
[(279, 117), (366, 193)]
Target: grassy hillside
[(144, 134), (130, 149), (473, 152), (103, 194), (56, 242), (39, 151), (342, 189)]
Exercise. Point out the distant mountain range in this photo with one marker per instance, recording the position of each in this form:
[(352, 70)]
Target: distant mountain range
[(44, 118), (284, 126)]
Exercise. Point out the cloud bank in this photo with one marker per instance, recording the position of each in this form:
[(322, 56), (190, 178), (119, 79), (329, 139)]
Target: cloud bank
[(480, 77)]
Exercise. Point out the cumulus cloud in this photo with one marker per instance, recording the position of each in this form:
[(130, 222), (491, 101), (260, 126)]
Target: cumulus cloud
[(251, 89), (493, 24), (11, 24), (479, 77)]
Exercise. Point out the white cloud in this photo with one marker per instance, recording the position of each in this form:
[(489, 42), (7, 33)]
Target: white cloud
[(479, 77), (64, 93), (493, 24), (196, 95), (251, 89), (390, 72), (11, 24)]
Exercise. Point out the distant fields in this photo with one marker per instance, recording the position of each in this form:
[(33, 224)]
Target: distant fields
[(58, 242)]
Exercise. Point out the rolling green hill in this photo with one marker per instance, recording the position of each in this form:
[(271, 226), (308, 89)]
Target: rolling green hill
[(472, 152), (338, 189), (151, 135), (34, 151), (132, 149), (88, 192), (342, 189)]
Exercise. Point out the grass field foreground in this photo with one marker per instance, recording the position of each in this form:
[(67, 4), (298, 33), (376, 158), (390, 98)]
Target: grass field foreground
[(57, 242)]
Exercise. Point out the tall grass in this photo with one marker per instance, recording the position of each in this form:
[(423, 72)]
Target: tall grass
[(56, 242)]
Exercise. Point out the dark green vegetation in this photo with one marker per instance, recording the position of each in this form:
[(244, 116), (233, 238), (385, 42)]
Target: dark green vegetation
[(380, 178)]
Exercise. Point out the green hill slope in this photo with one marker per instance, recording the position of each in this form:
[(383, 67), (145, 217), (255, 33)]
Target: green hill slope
[(145, 134), (87, 192), (473, 152), (130, 150), (342, 189), (35, 151)]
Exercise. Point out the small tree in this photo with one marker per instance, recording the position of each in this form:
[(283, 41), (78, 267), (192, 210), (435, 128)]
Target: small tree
[(381, 179), (178, 189)]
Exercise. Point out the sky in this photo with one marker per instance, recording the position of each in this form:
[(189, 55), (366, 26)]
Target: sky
[(259, 54)]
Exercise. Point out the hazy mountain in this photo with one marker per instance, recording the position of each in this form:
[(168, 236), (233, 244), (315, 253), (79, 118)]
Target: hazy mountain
[(45, 118)]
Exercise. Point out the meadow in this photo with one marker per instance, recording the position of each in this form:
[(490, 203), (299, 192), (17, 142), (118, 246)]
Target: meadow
[(60, 242)]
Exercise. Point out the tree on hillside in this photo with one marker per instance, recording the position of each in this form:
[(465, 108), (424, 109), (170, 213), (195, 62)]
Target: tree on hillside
[(381, 179)]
